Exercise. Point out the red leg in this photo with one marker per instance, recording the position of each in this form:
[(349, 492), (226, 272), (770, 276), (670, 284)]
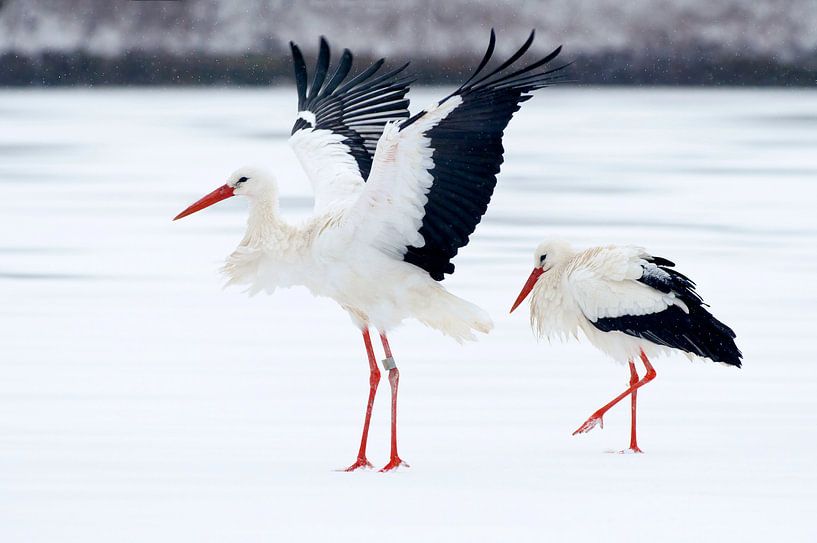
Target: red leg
[(374, 379), (394, 381), (633, 381), (596, 418)]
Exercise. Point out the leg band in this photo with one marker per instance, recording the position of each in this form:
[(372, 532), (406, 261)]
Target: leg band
[(389, 363)]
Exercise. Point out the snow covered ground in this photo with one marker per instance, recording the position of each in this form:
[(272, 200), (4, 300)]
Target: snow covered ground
[(140, 402)]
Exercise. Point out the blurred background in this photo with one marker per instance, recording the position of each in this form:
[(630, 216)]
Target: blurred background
[(691, 42)]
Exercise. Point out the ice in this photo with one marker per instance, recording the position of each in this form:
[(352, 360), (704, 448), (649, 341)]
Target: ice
[(141, 402)]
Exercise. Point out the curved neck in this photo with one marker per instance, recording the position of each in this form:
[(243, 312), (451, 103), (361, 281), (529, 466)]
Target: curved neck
[(264, 222)]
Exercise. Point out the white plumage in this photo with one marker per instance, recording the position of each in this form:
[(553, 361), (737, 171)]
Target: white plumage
[(351, 250), (395, 198), (330, 167), (601, 282), (629, 304)]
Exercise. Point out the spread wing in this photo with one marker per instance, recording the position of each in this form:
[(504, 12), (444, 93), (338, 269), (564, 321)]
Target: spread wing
[(340, 120), (433, 174)]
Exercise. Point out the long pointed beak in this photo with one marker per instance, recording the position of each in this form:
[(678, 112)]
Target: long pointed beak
[(221, 193), (534, 276)]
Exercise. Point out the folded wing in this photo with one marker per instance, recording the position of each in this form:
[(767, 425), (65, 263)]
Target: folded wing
[(624, 289), (606, 283)]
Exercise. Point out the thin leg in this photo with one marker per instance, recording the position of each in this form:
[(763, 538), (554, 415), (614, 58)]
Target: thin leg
[(394, 381), (374, 379), (596, 418), (633, 400)]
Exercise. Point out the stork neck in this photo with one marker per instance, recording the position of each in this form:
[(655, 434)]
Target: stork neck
[(264, 222)]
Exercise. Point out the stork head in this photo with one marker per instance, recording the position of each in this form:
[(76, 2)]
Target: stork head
[(547, 255), (247, 181)]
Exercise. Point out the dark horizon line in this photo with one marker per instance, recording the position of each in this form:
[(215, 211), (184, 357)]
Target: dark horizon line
[(146, 69)]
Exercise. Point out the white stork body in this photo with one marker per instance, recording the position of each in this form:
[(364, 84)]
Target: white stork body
[(395, 199), (600, 282), (350, 250), (329, 257), (629, 304)]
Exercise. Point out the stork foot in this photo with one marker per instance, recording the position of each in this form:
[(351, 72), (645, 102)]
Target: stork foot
[(360, 463), (631, 450), (589, 424), (393, 464)]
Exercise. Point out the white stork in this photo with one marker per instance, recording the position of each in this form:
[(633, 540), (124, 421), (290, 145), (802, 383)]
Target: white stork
[(395, 198), (629, 304)]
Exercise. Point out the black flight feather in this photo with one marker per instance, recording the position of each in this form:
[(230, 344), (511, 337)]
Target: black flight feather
[(697, 331), (357, 109), (467, 154)]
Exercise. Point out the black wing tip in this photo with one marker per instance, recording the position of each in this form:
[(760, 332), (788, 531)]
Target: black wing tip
[(492, 37), (323, 50), (321, 71), (696, 331), (299, 67), (489, 51), (401, 68), (500, 76), (528, 42), (721, 346), (737, 359), (395, 71)]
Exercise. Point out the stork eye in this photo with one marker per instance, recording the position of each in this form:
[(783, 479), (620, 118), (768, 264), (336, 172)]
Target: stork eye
[(241, 180), (542, 259)]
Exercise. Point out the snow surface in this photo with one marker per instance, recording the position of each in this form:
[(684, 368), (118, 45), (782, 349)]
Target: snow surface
[(140, 402)]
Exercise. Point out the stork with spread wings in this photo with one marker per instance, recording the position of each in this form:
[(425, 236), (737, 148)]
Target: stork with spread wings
[(396, 196)]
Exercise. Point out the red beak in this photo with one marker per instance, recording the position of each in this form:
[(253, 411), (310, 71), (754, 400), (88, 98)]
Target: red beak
[(534, 276), (221, 193)]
